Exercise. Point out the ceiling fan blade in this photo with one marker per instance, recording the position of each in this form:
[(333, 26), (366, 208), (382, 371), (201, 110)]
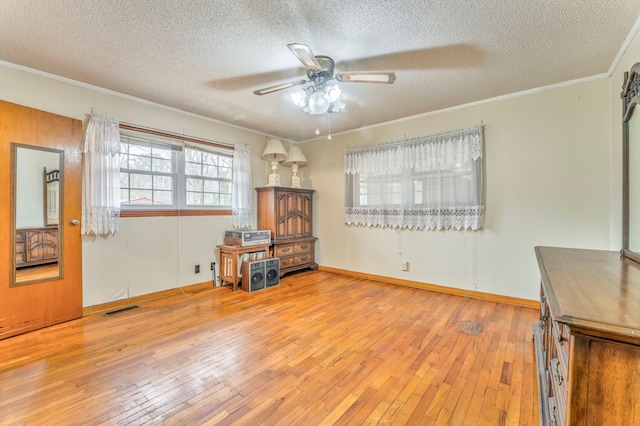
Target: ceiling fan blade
[(367, 77), (277, 87), (305, 55)]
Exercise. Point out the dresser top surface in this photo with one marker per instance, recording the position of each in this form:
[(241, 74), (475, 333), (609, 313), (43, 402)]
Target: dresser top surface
[(593, 290)]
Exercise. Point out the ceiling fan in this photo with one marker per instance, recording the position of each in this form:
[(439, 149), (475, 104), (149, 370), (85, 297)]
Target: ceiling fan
[(319, 96)]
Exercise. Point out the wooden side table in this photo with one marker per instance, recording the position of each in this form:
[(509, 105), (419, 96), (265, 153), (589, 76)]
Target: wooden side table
[(229, 264)]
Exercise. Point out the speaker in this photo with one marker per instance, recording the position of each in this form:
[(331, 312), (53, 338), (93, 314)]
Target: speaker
[(272, 271), (253, 275)]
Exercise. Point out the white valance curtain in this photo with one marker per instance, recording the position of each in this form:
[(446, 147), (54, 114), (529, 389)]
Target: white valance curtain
[(242, 190), (101, 177), (432, 182)]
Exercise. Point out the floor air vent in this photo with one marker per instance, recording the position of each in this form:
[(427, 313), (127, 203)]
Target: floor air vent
[(121, 310)]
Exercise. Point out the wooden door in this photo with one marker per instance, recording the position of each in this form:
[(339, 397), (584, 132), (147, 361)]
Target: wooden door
[(31, 306)]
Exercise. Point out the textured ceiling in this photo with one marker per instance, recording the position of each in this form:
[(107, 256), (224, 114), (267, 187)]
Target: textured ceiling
[(207, 57)]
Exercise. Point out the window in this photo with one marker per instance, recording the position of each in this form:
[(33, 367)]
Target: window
[(159, 173), (147, 173), (431, 182), (208, 178)]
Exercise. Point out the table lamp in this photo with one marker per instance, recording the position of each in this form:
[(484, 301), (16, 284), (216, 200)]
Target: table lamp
[(296, 158)]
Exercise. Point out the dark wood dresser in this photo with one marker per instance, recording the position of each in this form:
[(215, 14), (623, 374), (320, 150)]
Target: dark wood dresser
[(288, 213), (36, 246), (587, 343)]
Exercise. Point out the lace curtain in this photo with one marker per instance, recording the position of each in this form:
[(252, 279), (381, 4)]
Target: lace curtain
[(432, 182), (242, 190), (101, 177)]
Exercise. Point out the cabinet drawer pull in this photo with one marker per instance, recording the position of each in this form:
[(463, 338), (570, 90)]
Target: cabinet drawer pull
[(285, 250), (556, 373), (304, 246)]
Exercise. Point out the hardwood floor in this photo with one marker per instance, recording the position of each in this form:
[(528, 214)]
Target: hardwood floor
[(318, 349)]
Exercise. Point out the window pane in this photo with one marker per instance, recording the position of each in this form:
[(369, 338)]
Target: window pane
[(135, 149), (139, 181), (210, 158), (163, 197), (141, 197), (225, 199), (210, 171), (193, 155), (163, 153), (225, 173), (194, 184), (211, 199), (162, 165), (163, 182), (211, 186), (139, 163), (193, 169), (194, 198)]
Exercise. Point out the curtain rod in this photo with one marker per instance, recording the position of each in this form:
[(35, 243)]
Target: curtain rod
[(151, 131)]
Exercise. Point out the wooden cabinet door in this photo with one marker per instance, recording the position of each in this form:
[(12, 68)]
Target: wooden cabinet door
[(305, 215), (283, 226)]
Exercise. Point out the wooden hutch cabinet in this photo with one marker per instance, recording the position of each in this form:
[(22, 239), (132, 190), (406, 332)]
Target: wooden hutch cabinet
[(587, 343), (287, 213)]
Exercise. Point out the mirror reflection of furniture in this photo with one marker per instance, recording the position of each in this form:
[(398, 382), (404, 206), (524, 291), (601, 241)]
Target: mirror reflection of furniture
[(274, 152), (36, 237), (631, 164), (296, 158), (51, 197)]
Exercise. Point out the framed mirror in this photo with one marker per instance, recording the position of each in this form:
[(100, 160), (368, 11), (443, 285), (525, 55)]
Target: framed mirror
[(631, 164), (36, 238)]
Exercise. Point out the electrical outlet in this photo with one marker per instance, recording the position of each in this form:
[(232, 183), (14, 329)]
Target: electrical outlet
[(213, 266), (404, 265), (197, 269)]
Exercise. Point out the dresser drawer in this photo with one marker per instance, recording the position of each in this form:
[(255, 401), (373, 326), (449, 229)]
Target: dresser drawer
[(286, 262), (294, 248), (303, 258), (282, 250), (303, 247)]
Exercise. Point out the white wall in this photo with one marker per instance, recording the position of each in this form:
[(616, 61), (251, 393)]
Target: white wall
[(553, 171), (147, 254), (547, 164)]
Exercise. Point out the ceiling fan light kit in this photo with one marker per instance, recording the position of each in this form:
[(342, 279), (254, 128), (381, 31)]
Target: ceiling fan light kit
[(320, 97)]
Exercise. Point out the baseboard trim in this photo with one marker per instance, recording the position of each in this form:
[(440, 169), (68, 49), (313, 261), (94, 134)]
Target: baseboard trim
[(527, 303), (116, 304)]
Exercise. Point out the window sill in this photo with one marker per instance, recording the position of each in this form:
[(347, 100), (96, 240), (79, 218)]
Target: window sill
[(160, 213)]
